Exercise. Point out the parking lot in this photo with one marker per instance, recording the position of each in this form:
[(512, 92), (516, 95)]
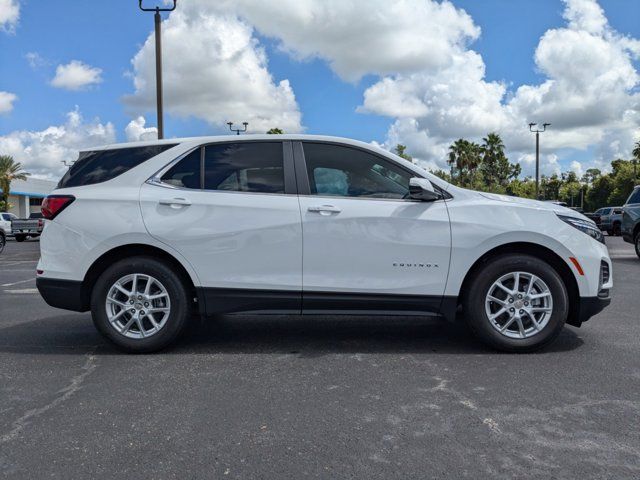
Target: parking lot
[(315, 397)]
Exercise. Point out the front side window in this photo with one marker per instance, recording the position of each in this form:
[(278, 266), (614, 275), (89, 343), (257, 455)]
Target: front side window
[(244, 167), (336, 170), (634, 197)]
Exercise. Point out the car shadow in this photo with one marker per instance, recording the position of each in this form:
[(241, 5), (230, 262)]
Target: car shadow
[(306, 336)]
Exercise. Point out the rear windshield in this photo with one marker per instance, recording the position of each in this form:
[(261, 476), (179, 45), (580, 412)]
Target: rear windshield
[(634, 197), (103, 165)]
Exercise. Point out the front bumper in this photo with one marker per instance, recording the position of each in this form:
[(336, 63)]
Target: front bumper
[(588, 307), (65, 294)]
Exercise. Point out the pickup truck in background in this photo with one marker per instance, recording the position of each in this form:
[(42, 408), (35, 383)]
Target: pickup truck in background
[(631, 219), (23, 228), (610, 220)]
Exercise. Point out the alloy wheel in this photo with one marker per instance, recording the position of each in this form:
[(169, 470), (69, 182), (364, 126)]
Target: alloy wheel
[(519, 305), (138, 306)]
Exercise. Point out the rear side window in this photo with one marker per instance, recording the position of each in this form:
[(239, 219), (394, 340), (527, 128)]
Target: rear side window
[(634, 197), (186, 173), (244, 167), (102, 165)]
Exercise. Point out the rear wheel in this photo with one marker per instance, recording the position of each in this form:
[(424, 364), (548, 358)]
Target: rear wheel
[(617, 230), (140, 304), (3, 241), (20, 238), (637, 243), (516, 303)]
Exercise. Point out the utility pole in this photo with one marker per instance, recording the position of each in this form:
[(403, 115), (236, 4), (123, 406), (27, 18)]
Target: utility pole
[(538, 132), (238, 130), (158, 34)]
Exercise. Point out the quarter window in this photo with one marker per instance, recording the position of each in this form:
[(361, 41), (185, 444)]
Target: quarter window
[(185, 173), (244, 167), (335, 170)]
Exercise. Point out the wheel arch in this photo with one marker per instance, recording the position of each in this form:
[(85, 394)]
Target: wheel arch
[(127, 251), (538, 251)]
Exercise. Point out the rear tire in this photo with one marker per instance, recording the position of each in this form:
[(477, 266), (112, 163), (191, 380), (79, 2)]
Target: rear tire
[(531, 319), (617, 229), (637, 244), (20, 238), (137, 318), (3, 241)]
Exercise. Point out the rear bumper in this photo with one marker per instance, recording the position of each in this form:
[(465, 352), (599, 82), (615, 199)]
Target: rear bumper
[(65, 294)]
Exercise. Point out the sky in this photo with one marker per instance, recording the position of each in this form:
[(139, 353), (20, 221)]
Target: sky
[(76, 74)]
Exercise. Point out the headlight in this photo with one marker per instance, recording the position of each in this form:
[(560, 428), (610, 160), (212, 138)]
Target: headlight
[(585, 226)]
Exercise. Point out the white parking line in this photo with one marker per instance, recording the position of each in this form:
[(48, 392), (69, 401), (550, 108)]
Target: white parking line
[(17, 283), (24, 291)]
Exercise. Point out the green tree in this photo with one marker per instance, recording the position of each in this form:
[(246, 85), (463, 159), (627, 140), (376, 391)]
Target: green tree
[(623, 181), (464, 159), (275, 131), (550, 187), (10, 170), (636, 159), (522, 188), (495, 167), (599, 192), (401, 151)]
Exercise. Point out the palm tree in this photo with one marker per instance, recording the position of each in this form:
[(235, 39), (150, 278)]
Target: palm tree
[(464, 158), (10, 170), (636, 159)]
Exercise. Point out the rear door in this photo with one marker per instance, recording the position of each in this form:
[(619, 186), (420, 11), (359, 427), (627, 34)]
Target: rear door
[(367, 246), (232, 211)]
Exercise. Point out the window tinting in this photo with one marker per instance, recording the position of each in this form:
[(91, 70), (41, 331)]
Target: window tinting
[(102, 165), (634, 197), (185, 173), (349, 172), (244, 167)]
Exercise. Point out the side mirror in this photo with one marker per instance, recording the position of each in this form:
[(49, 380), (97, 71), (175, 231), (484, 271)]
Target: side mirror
[(422, 189)]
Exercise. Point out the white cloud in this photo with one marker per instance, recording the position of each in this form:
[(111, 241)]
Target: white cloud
[(361, 37), (214, 69), (590, 95), (9, 15), (6, 101), (136, 131), (42, 152), (76, 75)]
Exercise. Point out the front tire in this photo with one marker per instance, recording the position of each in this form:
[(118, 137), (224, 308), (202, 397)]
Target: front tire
[(516, 303), (140, 304), (3, 241), (637, 244)]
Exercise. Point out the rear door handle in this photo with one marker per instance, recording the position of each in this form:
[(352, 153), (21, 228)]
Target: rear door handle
[(324, 209), (175, 202)]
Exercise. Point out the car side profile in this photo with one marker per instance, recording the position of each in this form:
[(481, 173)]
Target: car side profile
[(145, 235), (630, 228)]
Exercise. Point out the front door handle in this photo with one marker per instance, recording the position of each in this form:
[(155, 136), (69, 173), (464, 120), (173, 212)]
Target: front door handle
[(175, 202), (324, 209)]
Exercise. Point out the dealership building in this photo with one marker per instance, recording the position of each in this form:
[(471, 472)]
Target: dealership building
[(26, 196)]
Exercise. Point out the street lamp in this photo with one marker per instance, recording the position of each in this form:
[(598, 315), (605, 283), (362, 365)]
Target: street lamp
[(537, 131), (158, 23), (238, 130)]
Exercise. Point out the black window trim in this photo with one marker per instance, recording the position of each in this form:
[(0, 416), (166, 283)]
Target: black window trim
[(287, 164), (302, 176)]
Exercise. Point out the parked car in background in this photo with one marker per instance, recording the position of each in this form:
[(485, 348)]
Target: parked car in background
[(595, 216), (631, 219), (146, 234), (611, 220), (5, 222), (23, 228)]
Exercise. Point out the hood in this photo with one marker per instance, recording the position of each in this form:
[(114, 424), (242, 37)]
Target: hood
[(526, 202)]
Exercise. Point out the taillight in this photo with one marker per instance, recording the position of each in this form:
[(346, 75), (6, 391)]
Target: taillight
[(54, 204)]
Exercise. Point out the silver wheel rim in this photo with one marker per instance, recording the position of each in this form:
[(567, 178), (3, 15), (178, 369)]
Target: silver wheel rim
[(138, 306), (519, 305)]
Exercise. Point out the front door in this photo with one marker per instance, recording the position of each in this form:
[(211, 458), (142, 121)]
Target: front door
[(367, 246)]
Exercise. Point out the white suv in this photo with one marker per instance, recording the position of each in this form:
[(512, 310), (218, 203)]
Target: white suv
[(145, 234)]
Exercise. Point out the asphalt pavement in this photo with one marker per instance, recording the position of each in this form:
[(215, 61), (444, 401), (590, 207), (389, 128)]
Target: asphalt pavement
[(285, 397)]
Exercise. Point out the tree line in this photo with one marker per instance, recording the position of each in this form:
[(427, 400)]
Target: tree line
[(485, 167)]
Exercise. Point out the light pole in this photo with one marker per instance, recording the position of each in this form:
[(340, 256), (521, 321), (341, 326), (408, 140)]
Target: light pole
[(537, 131), (238, 130), (158, 24)]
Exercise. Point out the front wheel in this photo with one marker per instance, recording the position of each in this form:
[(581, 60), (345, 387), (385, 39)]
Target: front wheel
[(617, 229), (140, 304), (637, 243), (516, 303), (3, 241)]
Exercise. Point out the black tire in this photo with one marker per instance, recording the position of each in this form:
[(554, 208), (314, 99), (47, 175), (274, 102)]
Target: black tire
[(610, 233), (3, 241), (617, 229), (20, 238), (175, 287), (479, 287), (637, 244)]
